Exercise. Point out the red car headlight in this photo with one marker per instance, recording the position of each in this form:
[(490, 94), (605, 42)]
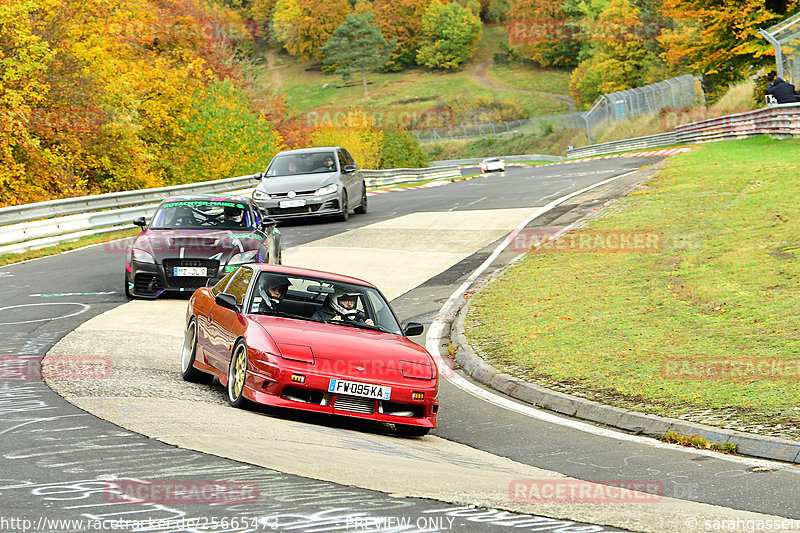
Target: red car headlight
[(297, 352), (416, 370)]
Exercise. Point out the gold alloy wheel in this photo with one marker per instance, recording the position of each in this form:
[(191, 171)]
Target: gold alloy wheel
[(238, 374)]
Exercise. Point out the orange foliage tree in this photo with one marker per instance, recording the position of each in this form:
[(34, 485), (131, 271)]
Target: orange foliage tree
[(104, 95), (400, 19), (304, 26), (543, 32), (720, 38)]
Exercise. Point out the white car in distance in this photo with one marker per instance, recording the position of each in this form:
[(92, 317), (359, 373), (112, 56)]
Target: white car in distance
[(492, 164)]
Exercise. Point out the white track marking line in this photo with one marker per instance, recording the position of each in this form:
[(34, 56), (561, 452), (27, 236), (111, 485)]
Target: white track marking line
[(450, 307)]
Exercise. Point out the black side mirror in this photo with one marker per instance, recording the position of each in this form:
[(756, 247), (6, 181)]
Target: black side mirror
[(412, 329), (228, 301), (267, 223), (258, 176), (141, 222), (349, 169)]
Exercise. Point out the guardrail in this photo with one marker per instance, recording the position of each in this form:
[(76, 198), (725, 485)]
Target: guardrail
[(48, 223), (477, 160), (779, 121), (637, 143)]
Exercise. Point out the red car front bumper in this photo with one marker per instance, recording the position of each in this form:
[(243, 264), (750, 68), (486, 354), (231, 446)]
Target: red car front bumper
[(312, 394)]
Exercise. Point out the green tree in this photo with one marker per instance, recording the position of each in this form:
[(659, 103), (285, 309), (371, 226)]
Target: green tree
[(222, 137), (401, 150), (449, 36), (357, 46), (498, 11)]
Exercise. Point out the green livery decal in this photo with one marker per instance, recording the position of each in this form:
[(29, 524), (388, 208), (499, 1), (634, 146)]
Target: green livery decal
[(203, 202)]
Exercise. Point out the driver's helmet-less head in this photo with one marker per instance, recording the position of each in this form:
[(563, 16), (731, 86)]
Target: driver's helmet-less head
[(234, 214), (272, 289), (341, 303)]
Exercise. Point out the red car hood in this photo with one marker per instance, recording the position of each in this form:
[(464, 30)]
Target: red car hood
[(344, 343)]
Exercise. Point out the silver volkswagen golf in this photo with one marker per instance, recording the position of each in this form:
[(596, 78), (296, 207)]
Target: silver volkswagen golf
[(320, 181)]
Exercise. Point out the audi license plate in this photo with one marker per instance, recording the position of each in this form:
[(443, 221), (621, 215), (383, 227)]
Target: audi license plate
[(291, 203), (365, 390), (194, 272)]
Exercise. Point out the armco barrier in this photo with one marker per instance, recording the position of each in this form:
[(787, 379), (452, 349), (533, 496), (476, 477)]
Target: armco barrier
[(82, 204), (779, 121), (47, 223), (477, 160)]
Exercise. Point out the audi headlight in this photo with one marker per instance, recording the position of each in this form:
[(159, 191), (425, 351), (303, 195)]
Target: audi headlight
[(258, 195), (244, 257), (140, 256), (328, 189)]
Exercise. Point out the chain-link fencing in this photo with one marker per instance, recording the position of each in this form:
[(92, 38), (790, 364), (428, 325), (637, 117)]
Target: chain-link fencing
[(785, 38), (677, 93)]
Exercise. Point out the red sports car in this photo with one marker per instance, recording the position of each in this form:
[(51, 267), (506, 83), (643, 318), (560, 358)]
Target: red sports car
[(304, 339)]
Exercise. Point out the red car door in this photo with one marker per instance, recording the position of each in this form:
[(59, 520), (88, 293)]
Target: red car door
[(225, 325)]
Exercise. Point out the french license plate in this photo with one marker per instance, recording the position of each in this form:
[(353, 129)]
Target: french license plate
[(196, 272), (291, 203), (364, 390)]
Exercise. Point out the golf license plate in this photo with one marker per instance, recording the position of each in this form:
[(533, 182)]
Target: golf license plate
[(291, 203), (194, 272), (364, 390)]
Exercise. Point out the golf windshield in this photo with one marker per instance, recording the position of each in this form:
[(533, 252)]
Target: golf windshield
[(295, 164)]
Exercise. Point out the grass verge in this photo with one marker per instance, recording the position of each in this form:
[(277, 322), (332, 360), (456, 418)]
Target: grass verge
[(8, 259), (709, 320)]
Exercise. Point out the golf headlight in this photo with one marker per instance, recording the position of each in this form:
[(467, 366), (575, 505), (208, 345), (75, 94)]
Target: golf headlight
[(140, 256), (258, 195), (244, 257), (328, 189)]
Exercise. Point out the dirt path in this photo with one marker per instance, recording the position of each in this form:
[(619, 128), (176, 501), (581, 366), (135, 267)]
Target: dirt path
[(272, 65), (480, 75)]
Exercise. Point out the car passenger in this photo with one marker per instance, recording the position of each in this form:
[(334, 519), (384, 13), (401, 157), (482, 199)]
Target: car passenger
[(342, 306)]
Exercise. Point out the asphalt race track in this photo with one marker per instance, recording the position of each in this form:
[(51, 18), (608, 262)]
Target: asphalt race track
[(316, 473)]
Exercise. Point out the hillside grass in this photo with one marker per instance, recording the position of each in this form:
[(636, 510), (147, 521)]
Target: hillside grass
[(307, 88), (721, 290), (528, 77), (556, 143)]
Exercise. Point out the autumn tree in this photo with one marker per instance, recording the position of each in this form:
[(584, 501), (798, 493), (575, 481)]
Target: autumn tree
[(543, 32), (304, 26), (357, 47), (357, 133), (621, 58), (719, 38), (449, 34), (400, 19)]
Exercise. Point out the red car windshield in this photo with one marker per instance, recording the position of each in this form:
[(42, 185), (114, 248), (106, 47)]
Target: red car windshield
[(322, 300)]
